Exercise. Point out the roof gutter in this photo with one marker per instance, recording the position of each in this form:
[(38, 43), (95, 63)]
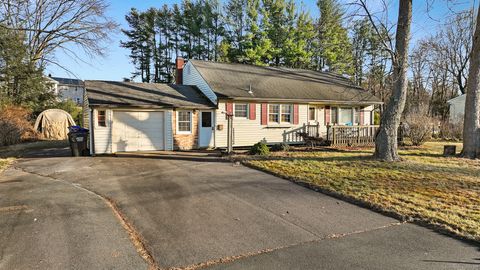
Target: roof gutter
[(112, 106), (303, 100)]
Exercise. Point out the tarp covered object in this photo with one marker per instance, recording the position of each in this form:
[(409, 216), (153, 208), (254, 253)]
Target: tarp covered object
[(53, 124)]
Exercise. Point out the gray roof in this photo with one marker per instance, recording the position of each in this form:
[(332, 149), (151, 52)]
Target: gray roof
[(276, 83), (68, 81), (150, 95)]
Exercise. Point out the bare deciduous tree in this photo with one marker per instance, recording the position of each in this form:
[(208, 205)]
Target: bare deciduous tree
[(52, 25), (386, 141)]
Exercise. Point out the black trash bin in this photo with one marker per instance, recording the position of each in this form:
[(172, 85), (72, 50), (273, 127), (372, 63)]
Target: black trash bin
[(78, 139)]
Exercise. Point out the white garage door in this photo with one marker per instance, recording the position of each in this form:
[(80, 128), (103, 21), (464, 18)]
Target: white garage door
[(137, 131)]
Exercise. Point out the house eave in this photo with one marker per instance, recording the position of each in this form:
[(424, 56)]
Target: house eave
[(308, 101)]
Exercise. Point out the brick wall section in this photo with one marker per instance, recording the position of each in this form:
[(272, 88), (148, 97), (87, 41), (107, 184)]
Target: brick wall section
[(185, 141)]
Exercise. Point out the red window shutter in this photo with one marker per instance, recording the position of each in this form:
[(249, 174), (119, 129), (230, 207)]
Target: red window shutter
[(229, 108), (327, 115), (252, 111), (264, 114), (295, 114), (362, 117)]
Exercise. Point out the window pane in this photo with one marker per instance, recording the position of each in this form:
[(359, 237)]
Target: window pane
[(206, 119), (286, 118), (183, 126), (346, 115), (241, 110), (286, 109), (333, 115), (273, 118), (311, 113), (274, 108), (184, 119), (101, 120)]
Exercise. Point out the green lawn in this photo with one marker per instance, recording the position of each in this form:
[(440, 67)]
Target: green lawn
[(426, 187)]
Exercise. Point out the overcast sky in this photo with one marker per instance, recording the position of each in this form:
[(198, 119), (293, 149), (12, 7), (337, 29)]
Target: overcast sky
[(116, 64)]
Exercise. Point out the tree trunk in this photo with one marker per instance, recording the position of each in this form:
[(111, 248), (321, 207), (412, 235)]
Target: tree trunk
[(471, 129), (386, 140)]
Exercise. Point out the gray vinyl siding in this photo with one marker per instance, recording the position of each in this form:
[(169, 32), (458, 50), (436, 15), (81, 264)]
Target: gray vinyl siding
[(191, 76)]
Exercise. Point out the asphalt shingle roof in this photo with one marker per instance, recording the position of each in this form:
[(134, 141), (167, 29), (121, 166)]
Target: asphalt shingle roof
[(131, 94), (234, 81), (68, 81)]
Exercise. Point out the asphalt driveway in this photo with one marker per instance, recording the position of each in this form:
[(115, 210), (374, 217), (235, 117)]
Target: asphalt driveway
[(182, 211)]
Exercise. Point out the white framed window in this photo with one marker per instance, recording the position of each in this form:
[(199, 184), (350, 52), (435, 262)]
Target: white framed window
[(273, 113), (286, 116), (101, 118), (334, 115), (184, 122), (312, 116), (346, 116), (241, 110), (280, 113)]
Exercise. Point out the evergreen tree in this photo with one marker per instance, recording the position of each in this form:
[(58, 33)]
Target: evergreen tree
[(257, 45), (334, 49), (296, 51), (21, 81), (275, 25), (235, 20)]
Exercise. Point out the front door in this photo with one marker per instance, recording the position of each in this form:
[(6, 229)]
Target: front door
[(206, 126)]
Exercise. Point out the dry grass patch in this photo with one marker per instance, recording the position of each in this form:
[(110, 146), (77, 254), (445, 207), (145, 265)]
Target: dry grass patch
[(444, 192)]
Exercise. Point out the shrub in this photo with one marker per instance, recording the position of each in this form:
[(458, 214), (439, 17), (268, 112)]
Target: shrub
[(419, 128), (451, 131), (72, 108), (259, 148), (15, 125), (280, 147)]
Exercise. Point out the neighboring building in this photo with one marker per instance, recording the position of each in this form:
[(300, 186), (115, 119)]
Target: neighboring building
[(68, 89), (266, 103), (457, 108)]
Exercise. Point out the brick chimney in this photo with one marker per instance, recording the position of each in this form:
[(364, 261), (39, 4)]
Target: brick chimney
[(179, 63)]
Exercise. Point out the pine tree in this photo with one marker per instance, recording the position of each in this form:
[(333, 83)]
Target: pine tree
[(257, 45), (137, 43), (275, 25), (21, 81), (235, 20), (334, 48)]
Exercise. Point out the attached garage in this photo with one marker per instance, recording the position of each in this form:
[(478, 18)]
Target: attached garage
[(138, 131), (129, 117)]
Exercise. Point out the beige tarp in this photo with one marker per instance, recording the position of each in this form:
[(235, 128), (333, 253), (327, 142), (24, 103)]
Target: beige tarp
[(53, 124)]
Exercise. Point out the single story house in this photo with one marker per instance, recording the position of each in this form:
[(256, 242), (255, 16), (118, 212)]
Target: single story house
[(261, 104), (457, 108)]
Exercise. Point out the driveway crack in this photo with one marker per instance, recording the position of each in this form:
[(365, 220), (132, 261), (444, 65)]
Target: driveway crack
[(233, 258), (135, 237)]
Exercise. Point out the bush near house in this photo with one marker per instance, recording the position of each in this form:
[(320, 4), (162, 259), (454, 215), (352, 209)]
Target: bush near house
[(426, 187), (259, 148), (16, 125)]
